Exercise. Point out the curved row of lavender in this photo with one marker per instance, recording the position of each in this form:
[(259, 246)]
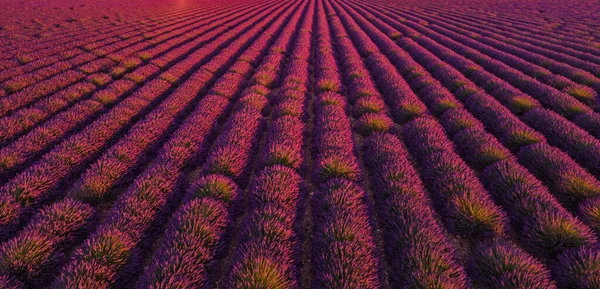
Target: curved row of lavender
[(300, 144)]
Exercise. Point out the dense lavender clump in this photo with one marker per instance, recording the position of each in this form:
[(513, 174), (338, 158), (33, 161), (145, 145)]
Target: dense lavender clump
[(578, 268), (467, 204), (566, 179), (506, 266), (343, 249), (193, 234), (412, 235)]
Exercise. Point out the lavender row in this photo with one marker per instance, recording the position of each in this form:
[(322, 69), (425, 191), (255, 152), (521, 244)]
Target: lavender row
[(163, 41), (368, 103), (201, 110), (127, 65), (583, 93), (489, 218), (24, 119), (117, 41), (404, 105), (559, 101), (97, 262), (534, 233), (11, 102), (31, 255), (556, 52), (442, 101), (486, 108), (484, 152), (34, 184), (119, 159), (542, 44), (478, 102), (265, 250), (134, 213), (539, 276), (551, 44), (214, 191), (19, 152), (347, 258), (551, 171), (104, 51), (268, 238), (556, 135), (180, 35), (344, 247), (567, 39), (45, 48), (23, 148), (562, 133), (404, 227), (412, 234)]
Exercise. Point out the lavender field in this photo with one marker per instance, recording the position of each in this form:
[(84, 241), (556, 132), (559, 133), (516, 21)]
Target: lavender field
[(300, 144)]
